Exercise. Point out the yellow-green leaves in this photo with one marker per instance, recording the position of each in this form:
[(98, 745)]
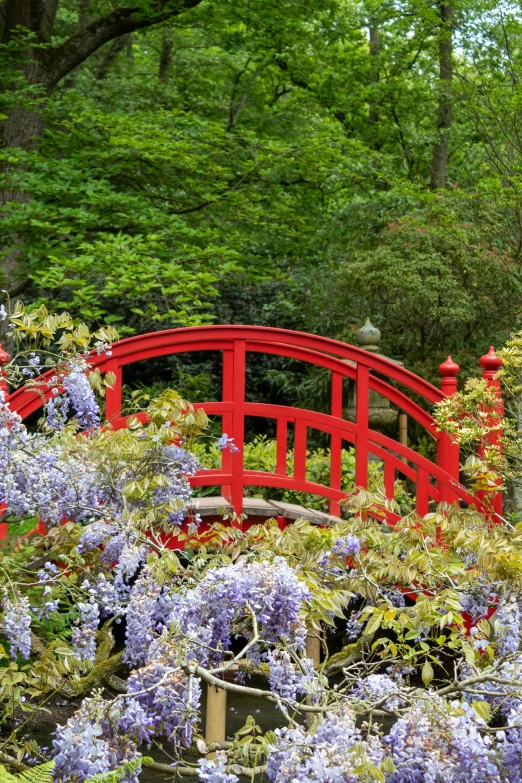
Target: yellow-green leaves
[(427, 673), (38, 327)]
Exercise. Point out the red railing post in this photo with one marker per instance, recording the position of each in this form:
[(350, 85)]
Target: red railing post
[(4, 357), (362, 392), (448, 453), (238, 425), (491, 364), (336, 442), (281, 445), (227, 420)]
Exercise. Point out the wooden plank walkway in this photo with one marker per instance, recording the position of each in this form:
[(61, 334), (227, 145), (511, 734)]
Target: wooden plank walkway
[(257, 507)]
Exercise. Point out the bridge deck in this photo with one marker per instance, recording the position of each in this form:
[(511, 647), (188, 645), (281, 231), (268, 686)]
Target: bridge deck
[(266, 509)]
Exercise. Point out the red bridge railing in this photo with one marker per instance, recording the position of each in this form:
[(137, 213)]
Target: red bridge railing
[(433, 481)]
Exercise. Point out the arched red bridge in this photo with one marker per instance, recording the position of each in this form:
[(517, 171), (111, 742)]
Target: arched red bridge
[(433, 481)]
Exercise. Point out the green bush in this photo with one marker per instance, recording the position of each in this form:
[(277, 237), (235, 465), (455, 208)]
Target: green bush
[(260, 454)]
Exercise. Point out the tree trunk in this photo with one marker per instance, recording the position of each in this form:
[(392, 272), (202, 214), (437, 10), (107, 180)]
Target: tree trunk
[(374, 114), (439, 161), (373, 111), (165, 57)]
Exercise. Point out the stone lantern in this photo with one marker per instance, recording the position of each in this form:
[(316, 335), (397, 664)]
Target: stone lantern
[(380, 412)]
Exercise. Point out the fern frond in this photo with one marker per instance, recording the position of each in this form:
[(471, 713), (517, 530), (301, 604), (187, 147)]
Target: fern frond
[(6, 777), (41, 774), (117, 775)]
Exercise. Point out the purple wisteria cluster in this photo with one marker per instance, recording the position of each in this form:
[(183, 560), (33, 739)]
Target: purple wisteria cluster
[(98, 534), (375, 688), (45, 477), (229, 596), (503, 696), (174, 496), (331, 754), (507, 625), (18, 625), (288, 678), (169, 699), (215, 771), (42, 478), (437, 741), (477, 599), (345, 546), (57, 410), (81, 396), (509, 746), (101, 736), (93, 742), (141, 619), (221, 605), (84, 634), (224, 443), (105, 594), (78, 396)]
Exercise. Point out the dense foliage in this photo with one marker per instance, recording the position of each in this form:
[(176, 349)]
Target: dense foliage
[(295, 164)]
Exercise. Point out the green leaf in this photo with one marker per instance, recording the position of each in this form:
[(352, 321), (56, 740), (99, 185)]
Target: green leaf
[(483, 710), (427, 673)]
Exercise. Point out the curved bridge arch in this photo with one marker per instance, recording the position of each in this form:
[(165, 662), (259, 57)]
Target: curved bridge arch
[(434, 481)]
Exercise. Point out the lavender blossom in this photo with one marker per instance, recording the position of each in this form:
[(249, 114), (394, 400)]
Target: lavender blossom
[(56, 410), (84, 635), (89, 744), (216, 771), (271, 590), (81, 396), (507, 625), (168, 697), (287, 679), (18, 626), (375, 687), (141, 619), (437, 741), (328, 756), (347, 546), (224, 442)]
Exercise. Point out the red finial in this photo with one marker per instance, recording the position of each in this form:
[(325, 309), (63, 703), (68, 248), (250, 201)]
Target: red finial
[(490, 363), (449, 371), (449, 368)]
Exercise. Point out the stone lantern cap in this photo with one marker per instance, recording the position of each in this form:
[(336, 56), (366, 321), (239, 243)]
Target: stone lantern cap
[(368, 337)]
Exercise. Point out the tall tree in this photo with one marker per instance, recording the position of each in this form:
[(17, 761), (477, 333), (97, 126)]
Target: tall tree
[(439, 161)]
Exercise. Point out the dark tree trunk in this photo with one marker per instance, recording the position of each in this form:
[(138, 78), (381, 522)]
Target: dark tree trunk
[(373, 113), (21, 129), (439, 161), (165, 57)]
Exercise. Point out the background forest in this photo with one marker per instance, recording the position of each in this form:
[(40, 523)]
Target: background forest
[(299, 164)]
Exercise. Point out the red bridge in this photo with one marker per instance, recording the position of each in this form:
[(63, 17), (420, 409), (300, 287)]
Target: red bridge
[(433, 481)]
